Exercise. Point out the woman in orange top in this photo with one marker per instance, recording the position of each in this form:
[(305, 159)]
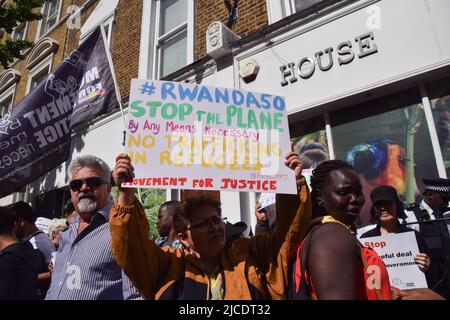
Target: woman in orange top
[(330, 262)]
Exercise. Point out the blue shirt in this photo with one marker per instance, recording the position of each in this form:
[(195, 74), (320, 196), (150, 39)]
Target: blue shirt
[(42, 242), (85, 268), (162, 241)]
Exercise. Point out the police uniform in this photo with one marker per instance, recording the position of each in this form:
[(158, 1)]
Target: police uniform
[(435, 233)]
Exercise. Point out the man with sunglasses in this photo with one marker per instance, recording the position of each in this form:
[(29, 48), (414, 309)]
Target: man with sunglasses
[(84, 267), (250, 268)]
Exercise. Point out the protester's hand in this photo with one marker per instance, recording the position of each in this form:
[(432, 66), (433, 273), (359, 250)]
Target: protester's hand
[(123, 169), (292, 161), (419, 294), (260, 215), (422, 261), (395, 293), (50, 267)]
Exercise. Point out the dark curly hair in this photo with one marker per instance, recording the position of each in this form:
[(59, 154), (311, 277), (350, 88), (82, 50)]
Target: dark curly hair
[(189, 206), (319, 177)]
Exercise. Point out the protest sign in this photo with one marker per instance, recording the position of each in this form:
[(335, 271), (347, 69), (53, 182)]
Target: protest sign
[(266, 199), (190, 136), (398, 251)]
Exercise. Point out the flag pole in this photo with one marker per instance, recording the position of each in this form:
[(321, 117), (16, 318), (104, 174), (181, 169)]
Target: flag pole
[(118, 96), (116, 86)]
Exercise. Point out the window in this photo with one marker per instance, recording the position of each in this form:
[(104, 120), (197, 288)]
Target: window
[(6, 104), (439, 94), (108, 30), (8, 83), (7, 100), (310, 141), (279, 9), (173, 44), (299, 5), (50, 11), (19, 32), (388, 143), (38, 73), (103, 14)]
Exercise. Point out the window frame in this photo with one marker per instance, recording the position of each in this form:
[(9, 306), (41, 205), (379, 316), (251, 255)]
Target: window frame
[(45, 63), (158, 40), (13, 34), (39, 30), (10, 92), (108, 22), (280, 9)]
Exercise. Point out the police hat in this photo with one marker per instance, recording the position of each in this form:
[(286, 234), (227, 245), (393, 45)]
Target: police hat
[(437, 185)]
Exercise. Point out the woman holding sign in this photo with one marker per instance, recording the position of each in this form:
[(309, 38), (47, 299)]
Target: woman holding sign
[(387, 209), (251, 268), (331, 264)]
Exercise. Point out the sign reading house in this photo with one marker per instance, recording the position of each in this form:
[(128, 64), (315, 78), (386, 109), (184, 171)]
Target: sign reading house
[(344, 53)]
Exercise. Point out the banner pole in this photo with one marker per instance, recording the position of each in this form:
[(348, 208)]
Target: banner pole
[(113, 73), (119, 97)]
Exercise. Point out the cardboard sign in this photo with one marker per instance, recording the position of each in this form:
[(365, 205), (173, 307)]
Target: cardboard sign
[(398, 251), (189, 136), (266, 199)]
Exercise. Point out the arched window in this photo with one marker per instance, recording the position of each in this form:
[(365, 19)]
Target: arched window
[(8, 82)]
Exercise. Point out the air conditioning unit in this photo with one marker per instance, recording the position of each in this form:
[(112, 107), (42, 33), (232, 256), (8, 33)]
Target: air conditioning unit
[(218, 38)]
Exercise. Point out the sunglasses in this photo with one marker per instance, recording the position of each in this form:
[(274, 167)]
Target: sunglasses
[(205, 224), (91, 182)]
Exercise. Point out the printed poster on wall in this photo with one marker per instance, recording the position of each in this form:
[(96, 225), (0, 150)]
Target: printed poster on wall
[(190, 136), (398, 252)]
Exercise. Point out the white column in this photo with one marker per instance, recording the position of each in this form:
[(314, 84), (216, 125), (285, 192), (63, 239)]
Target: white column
[(433, 134), (145, 52), (329, 137)]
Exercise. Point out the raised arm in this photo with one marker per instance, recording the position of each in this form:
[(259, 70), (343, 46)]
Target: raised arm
[(276, 249), (142, 261)]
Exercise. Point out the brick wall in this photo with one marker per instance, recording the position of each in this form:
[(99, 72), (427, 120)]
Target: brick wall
[(125, 43), (58, 34), (252, 16)]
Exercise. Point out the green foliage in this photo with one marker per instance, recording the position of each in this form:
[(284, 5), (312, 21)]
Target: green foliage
[(11, 50), (151, 200), (11, 15)]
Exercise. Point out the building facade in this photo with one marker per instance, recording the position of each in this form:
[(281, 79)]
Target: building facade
[(365, 81), (65, 24), (361, 84)]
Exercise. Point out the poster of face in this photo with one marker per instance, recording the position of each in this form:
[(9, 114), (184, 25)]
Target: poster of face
[(387, 142), (440, 106), (390, 148)]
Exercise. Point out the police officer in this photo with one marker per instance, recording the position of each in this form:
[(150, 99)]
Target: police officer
[(428, 218)]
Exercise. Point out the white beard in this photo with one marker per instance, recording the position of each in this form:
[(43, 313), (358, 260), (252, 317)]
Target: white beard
[(87, 205)]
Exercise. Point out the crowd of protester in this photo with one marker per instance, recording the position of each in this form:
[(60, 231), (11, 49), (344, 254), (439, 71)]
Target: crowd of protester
[(305, 245)]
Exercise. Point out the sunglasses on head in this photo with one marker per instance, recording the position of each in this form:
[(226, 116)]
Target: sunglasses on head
[(91, 182)]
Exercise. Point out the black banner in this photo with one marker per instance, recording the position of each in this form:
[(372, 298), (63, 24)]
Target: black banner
[(96, 94), (35, 134)]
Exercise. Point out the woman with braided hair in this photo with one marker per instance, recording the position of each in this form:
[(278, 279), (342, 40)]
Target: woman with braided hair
[(330, 262)]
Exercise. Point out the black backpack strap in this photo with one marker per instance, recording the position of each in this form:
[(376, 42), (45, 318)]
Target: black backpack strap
[(303, 292)]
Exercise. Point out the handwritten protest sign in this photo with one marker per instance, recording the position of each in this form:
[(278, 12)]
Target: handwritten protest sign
[(398, 251), (189, 136)]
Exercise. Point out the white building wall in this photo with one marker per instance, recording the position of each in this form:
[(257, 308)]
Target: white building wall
[(412, 38)]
